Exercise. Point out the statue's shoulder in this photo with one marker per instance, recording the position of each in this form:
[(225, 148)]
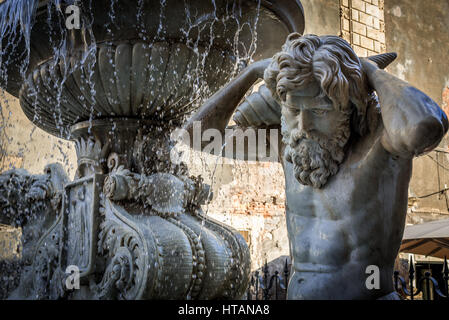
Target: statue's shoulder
[(259, 109)]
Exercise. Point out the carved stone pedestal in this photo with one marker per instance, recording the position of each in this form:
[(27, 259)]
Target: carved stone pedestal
[(133, 232)]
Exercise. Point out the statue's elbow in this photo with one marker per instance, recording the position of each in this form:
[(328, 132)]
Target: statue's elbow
[(421, 126), (426, 135)]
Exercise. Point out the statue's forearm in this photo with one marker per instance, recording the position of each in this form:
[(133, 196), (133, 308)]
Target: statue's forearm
[(413, 122), (217, 111)]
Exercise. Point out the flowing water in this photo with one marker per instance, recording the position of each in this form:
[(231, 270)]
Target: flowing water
[(17, 18)]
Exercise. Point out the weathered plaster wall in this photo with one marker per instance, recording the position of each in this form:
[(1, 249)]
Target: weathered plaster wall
[(29, 147), (322, 17), (10, 246), (250, 197), (419, 32)]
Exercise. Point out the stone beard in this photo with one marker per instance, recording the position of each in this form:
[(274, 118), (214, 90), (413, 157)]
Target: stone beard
[(315, 157)]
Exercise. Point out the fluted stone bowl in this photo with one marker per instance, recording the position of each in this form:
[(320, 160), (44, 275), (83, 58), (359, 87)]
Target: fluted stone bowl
[(143, 81), (146, 59)]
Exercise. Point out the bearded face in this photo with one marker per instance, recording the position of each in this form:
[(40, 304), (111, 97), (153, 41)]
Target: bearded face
[(316, 158), (315, 135)]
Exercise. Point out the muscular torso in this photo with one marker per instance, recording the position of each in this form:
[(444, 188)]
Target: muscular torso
[(356, 220)]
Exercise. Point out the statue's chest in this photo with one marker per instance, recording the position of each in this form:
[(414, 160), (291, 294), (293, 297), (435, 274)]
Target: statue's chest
[(333, 202)]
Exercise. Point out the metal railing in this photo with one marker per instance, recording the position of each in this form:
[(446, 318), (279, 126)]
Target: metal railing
[(264, 286), (425, 288)]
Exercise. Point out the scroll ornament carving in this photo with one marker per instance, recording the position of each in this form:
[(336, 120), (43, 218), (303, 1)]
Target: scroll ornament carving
[(124, 250), (138, 251)]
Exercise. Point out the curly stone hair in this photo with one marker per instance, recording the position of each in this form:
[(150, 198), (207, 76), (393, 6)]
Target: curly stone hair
[(332, 62)]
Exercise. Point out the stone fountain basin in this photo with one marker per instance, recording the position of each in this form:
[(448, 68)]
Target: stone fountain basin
[(143, 81), (159, 61)]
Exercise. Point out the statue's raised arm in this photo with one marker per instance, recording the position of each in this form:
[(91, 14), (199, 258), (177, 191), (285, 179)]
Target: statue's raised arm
[(217, 110), (244, 140), (414, 123)]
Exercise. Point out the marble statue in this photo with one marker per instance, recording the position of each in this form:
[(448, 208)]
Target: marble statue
[(350, 131)]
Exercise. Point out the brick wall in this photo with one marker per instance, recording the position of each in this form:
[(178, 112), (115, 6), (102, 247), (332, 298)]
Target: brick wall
[(363, 25)]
